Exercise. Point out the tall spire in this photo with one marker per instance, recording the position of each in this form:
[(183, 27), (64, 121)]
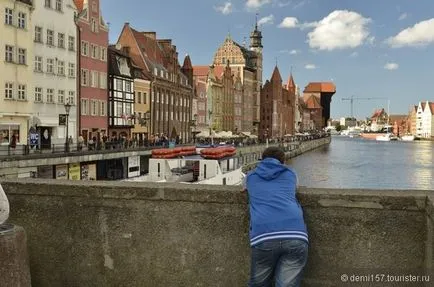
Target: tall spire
[(256, 36)]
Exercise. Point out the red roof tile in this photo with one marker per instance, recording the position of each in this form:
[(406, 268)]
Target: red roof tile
[(320, 87), (431, 105), (200, 71), (79, 4)]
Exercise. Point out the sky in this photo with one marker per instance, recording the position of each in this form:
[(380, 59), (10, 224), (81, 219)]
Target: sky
[(369, 49)]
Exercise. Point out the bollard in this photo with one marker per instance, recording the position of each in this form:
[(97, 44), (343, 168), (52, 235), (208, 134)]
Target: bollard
[(14, 264)]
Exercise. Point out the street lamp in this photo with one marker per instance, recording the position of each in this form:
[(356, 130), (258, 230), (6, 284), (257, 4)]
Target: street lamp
[(193, 123), (67, 110)]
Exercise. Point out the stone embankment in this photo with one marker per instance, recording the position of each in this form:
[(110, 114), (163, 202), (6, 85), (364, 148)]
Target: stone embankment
[(292, 150)]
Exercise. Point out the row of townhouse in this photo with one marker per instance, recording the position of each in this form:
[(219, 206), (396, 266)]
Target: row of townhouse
[(60, 81)]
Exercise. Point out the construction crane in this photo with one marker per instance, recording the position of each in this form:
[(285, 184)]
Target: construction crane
[(352, 99)]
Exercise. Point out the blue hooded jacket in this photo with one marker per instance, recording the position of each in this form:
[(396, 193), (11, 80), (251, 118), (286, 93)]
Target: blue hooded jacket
[(275, 212)]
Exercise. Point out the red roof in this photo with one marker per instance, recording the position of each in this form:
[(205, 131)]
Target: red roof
[(200, 71), (320, 87), (431, 105), (187, 63), (313, 103), (79, 4)]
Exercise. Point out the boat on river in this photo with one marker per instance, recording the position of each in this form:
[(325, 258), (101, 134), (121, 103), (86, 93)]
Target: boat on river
[(408, 138), (215, 166), (386, 137)]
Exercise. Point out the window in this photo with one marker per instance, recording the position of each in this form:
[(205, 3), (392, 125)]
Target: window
[(61, 40), (38, 94), (38, 34), (94, 107), (21, 92), (94, 79), (9, 91), (119, 85), (139, 97), (21, 56), (84, 107), (94, 25), (59, 5), (38, 64), (71, 70), (8, 16), (50, 96), (21, 20), (71, 97), (84, 48), (103, 54), (8, 131), (94, 51), (103, 80), (9, 54), (61, 68), (50, 37), (71, 43), (84, 77), (103, 110), (48, 3), (61, 97), (50, 66), (145, 96), (127, 86)]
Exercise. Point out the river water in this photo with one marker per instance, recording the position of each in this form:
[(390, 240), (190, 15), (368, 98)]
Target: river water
[(359, 163)]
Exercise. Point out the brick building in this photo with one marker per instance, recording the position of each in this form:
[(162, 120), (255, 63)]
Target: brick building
[(247, 63), (172, 85), (323, 92), (277, 108), (93, 95)]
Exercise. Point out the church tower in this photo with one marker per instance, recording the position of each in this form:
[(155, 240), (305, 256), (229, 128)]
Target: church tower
[(256, 47)]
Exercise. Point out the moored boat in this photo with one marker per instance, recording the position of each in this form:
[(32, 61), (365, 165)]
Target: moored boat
[(408, 138)]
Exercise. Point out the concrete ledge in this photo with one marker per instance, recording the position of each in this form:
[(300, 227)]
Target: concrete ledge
[(109, 233)]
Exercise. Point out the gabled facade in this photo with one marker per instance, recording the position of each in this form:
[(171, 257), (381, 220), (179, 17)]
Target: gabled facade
[(55, 69), (247, 63), (277, 108), (425, 120), (171, 89), (16, 71), (411, 120), (121, 93), (315, 110), (93, 95)]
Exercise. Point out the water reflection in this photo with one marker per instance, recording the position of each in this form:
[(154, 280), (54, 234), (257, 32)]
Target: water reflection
[(358, 163)]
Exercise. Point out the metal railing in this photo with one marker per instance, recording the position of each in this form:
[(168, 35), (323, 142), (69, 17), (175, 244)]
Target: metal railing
[(9, 152)]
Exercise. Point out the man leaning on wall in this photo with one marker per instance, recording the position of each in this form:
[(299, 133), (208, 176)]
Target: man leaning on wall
[(278, 234)]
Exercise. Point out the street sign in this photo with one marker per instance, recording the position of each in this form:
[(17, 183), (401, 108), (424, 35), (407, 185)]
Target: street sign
[(62, 120)]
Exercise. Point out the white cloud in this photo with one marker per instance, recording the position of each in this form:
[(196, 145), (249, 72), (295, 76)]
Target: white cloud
[(294, 52), (339, 30), (421, 34), (225, 8), (289, 22), (310, 67), (403, 16), (255, 4), (266, 20), (354, 55), (284, 4), (391, 66)]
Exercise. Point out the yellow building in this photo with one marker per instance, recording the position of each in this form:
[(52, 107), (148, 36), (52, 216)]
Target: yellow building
[(16, 70), (142, 90)]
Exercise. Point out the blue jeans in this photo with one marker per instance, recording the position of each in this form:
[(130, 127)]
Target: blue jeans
[(281, 261)]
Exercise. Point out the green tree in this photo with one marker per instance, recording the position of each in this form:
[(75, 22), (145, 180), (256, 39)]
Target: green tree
[(338, 127)]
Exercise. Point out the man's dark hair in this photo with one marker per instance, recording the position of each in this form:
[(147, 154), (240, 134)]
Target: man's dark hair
[(274, 152)]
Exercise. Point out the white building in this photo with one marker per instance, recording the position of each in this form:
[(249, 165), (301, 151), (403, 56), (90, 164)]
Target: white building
[(16, 45), (55, 69), (425, 120)]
